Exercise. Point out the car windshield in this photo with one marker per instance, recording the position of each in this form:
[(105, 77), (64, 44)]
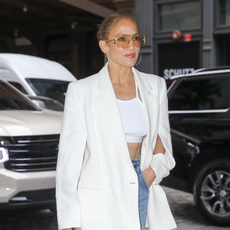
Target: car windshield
[(49, 88), (11, 99)]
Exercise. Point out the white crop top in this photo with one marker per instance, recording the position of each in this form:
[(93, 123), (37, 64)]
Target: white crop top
[(133, 118)]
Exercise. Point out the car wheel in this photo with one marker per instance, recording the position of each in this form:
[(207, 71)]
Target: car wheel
[(212, 192)]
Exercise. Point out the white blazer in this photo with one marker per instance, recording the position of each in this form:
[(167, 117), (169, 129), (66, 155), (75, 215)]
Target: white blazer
[(96, 184)]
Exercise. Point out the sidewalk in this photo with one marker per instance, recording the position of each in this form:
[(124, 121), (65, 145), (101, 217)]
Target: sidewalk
[(185, 213), (181, 203)]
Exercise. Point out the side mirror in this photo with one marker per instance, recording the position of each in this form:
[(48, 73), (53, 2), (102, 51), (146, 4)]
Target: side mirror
[(39, 103)]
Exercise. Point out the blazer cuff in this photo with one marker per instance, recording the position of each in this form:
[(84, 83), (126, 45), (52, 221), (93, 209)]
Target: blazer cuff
[(158, 164)]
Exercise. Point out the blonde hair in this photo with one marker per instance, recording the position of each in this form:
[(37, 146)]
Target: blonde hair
[(110, 21)]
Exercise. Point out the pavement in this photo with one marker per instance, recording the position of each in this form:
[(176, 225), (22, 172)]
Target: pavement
[(185, 212), (182, 205)]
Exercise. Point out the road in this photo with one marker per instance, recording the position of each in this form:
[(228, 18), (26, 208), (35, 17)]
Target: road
[(185, 212), (182, 206)]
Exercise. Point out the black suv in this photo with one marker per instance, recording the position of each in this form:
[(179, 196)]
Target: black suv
[(199, 112)]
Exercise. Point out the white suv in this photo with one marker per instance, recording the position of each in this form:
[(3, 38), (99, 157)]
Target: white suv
[(29, 140)]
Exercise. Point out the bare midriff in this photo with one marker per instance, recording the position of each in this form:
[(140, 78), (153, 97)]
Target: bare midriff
[(134, 150)]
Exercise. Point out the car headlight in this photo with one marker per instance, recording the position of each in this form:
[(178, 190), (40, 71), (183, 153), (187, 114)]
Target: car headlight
[(4, 156)]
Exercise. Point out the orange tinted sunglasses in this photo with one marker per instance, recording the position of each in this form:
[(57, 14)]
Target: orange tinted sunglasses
[(123, 40)]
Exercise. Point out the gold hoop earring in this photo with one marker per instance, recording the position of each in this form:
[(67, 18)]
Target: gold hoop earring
[(140, 57)]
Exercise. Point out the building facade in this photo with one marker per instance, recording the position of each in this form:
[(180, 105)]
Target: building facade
[(183, 35), (62, 30)]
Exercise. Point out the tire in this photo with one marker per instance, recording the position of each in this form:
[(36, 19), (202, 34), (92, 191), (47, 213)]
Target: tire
[(211, 192)]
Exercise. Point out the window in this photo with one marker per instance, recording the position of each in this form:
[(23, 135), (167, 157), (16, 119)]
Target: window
[(10, 99), (49, 88), (180, 15), (224, 18), (201, 94), (18, 86)]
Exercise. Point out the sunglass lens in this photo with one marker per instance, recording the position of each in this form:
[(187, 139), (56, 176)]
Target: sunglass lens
[(123, 41), (139, 40)]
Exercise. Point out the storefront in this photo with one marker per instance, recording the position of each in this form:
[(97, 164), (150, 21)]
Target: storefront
[(183, 35)]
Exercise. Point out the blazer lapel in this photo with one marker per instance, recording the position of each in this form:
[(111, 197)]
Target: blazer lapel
[(150, 100), (108, 104)]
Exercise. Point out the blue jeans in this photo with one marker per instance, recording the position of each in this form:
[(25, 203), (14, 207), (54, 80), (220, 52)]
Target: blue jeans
[(143, 193)]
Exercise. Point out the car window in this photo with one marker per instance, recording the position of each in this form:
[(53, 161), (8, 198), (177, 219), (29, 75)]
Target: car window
[(49, 88), (11, 99), (201, 94), (18, 86)]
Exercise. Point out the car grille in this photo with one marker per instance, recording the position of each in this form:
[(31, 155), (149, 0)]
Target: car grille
[(32, 153)]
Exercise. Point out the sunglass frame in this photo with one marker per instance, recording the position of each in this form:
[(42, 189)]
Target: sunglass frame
[(114, 40)]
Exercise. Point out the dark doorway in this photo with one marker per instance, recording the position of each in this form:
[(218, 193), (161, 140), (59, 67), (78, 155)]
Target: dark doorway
[(178, 58)]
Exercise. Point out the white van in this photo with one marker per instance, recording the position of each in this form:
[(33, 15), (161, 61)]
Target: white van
[(35, 76)]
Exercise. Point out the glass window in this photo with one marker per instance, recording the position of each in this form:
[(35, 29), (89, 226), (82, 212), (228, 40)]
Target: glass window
[(18, 86), (201, 94), (179, 15), (49, 88), (224, 12), (10, 99)]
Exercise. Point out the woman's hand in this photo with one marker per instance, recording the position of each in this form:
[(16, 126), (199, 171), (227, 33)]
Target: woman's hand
[(149, 176)]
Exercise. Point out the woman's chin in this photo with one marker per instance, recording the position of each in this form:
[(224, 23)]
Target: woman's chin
[(125, 63), (131, 63)]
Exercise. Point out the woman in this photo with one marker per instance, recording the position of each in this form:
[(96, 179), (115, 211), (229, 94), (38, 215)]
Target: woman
[(115, 144)]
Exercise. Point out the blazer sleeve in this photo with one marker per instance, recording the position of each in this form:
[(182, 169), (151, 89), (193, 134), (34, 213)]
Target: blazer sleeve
[(163, 163), (71, 150)]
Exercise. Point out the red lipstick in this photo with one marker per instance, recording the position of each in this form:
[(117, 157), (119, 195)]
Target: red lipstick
[(131, 55)]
